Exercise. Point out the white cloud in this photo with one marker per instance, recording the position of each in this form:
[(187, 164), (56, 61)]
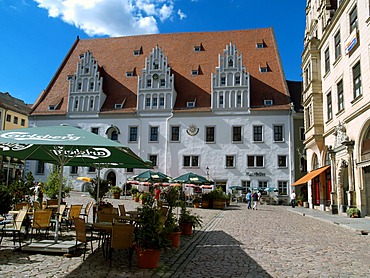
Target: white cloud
[(181, 14), (112, 17)]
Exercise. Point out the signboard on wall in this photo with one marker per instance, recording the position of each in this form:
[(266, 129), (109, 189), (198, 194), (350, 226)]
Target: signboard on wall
[(351, 42)]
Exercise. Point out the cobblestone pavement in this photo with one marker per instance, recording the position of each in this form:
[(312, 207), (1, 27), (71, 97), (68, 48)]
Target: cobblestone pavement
[(273, 241)]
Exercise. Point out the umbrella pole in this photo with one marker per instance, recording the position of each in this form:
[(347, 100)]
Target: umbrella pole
[(97, 190), (59, 201)]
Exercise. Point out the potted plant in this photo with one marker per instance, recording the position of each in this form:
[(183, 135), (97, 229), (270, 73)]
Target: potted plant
[(172, 229), (144, 196), (151, 235), (299, 200), (188, 221), (196, 201), (116, 191), (51, 187), (103, 189), (353, 212), (134, 191), (206, 197), (218, 198)]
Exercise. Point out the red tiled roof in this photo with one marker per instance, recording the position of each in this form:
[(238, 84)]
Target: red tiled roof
[(115, 57)]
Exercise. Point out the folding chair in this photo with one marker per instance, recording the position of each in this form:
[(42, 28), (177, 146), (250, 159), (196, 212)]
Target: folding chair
[(16, 226)]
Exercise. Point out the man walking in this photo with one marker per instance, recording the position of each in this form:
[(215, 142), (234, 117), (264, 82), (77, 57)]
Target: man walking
[(255, 200), (292, 199), (249, 199)]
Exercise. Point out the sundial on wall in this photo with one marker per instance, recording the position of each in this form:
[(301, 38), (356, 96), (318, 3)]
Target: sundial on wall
[(192, 130)]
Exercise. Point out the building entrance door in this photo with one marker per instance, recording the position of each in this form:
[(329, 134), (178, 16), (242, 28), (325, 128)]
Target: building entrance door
[(367, 188)]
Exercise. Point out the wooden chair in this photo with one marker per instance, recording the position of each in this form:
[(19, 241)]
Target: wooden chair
[(122, 238), (51, 202), (41, 221), (36, 205), (86, 212), (107, 216), (122, 210), (74, 212), (20, 205), (16, 226), (81, 236), (59, 217)]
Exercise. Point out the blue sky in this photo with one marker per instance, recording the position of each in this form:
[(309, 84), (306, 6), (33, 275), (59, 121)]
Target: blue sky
[(35, 35)]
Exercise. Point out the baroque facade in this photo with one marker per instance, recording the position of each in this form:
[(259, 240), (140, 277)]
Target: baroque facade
[(336, 100), (215, 103)]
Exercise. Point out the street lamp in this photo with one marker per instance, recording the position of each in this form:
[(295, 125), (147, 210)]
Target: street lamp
[(207, 171)]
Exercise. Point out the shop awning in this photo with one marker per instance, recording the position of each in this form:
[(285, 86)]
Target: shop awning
[(311, 175)]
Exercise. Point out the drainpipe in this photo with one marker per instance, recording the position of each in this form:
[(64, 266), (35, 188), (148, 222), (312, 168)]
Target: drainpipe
[(290, 143), (166, 145)]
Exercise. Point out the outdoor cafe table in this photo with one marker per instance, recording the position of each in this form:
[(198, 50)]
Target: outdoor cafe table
[(105, 229)]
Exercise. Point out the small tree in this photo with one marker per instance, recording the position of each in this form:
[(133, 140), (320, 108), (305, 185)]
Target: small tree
[(103, 189), (51, 187)]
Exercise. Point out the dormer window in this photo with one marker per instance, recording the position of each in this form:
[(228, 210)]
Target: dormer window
[(197, 48), (52, 107), (260, 45), (129, 73), (118, 106), (231, 62), (268, 102), (136, 52), (190, 104), (264, 69), (194, 72)]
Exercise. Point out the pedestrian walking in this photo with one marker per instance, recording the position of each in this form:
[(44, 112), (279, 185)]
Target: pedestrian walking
[(255, 200), (292, 199), (249, 199)]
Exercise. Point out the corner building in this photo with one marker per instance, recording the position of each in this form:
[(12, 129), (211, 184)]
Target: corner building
[(214, 103), (336, 100)]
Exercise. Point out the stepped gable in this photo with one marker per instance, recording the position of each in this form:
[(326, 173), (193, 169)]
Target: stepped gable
[(115, 57)]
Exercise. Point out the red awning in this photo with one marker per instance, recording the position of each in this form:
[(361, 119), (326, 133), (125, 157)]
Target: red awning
[(311, 175)]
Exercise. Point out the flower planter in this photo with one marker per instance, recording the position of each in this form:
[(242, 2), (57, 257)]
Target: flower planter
[(186, 229), (205, 204), (218, 204), (137, 199), (116, 195), (175, 239), (148, 258), (196, 205)]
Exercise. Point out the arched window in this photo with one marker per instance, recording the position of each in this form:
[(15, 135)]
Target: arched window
[(114, 136), (315, 162)]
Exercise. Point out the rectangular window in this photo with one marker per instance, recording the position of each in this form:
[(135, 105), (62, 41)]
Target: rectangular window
[(153, 159), (95, 130), (147, 104), (262, 185), (223, 81), (282, 161), (91, 86), (163, 82), (239, 101), (194, 72), (340, 96), (329, 106), (129, 73), (23, 122), (149, 83), (191, 161), (8, 118), (175, 133), (255, 161), (91, 103), (15, 120), (353, 19), (76, 104), (264, 69), (357, 85), (133, 134), (92, 169), (40, 167), (221, 100), (237, 80), (129, 170), (237, 134), (337, 44), (327, 60), (155, 102), (283, 187), (278, 133), (74, 170), (161, 102), (301, 134), (210, 134), (230, 160), (257, 133), (153, 134)]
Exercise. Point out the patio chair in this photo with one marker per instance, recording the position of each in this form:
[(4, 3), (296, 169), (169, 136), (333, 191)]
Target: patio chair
[(59, 216), (19, 206), (122, 238), (122, 210), (16, 227), (86, 212), (107, 216), (74, 212), (80, 227), (36, 205), (41, 221)]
